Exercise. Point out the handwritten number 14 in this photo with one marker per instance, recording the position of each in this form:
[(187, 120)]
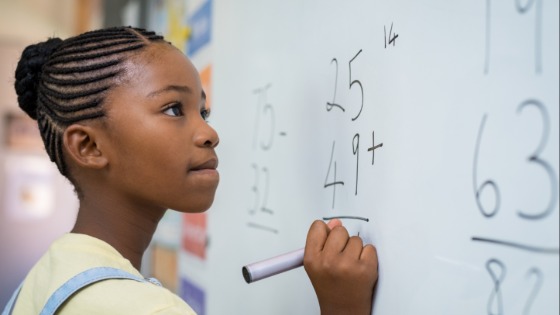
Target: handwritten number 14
[(392, 37)]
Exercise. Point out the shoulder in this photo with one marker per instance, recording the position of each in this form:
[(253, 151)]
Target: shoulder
[(124, 296), (73, 254)]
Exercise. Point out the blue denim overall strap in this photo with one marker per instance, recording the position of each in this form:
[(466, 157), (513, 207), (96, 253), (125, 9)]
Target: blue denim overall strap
[(78, 282), (11, 302)]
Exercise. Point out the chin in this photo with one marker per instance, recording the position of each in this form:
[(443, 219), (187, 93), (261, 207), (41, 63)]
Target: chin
[(197, 206)]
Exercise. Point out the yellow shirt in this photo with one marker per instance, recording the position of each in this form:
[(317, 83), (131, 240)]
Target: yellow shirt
[(74, 253)]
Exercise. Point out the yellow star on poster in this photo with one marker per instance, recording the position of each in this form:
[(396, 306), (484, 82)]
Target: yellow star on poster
[(178, 33)]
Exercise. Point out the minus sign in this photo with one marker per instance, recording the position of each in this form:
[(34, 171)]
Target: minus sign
[(282, 133)]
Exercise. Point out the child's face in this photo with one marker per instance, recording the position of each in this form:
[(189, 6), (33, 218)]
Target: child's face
[(159, 147)]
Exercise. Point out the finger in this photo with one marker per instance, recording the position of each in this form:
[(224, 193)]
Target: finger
[(336, 240), (354, 247), (334, 223), (316, 237), (369, 254)]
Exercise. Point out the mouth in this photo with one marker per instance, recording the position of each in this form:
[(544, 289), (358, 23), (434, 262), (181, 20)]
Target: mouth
[(210, 164)]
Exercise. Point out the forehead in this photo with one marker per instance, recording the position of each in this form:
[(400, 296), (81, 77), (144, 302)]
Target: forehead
[(157, 66)]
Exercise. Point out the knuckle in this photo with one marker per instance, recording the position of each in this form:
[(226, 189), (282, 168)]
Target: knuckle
[(357, 240), (309, 261), (372, 249), (340, 231), (317, 224), (367, 270)]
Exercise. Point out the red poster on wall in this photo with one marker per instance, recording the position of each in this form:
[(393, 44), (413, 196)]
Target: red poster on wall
[(194, 236)]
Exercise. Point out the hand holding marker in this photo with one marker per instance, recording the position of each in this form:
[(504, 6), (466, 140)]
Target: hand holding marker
[(281, 263)]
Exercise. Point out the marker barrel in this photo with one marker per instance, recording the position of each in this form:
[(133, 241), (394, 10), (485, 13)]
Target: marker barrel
[(273, 266)]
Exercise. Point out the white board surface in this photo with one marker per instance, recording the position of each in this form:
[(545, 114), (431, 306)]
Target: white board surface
[(462, 197)]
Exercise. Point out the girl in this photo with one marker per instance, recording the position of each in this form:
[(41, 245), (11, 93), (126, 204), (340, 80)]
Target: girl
[(122, 114)]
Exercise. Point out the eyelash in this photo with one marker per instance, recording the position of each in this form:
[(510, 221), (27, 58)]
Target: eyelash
[(204, 113), (176, 106)]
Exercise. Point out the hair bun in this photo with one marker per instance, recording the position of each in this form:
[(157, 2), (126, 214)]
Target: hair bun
[(28, 73)]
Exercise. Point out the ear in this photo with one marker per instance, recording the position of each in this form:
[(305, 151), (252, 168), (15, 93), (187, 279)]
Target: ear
[(82, 148)]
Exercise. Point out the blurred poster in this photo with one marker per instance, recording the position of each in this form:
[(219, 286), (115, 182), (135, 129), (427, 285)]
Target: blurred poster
[(22, 133), (164, 266), (201, 25), (194, 234), (168, 232), (29, 188), (169, 18), (193, 295)]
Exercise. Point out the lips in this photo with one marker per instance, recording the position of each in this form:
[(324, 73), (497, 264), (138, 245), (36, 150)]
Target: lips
[(210, 164)]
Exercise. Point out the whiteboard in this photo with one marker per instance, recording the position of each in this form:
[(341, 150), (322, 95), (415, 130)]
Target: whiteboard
[(462, 195)]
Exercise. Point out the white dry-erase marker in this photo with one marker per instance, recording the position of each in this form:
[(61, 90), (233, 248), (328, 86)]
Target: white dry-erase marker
[(273, 266)]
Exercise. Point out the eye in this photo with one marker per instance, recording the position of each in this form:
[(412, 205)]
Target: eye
[(174, 109), (205, 113)]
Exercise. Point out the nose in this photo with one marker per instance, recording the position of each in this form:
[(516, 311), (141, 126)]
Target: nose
[(206, 136)]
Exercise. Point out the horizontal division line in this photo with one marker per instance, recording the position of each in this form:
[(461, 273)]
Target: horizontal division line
[(346, 217), (531, 248), (262, 227)]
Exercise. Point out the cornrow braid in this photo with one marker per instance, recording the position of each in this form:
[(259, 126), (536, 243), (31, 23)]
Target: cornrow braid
[(63, 82)]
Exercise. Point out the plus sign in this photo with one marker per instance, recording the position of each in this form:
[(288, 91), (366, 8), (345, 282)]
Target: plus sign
[(374, 146)]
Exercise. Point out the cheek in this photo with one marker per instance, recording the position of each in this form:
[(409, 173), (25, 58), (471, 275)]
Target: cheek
[(149, 151), (153, 155)]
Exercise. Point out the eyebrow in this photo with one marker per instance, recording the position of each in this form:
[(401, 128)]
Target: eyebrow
[(170, 88)]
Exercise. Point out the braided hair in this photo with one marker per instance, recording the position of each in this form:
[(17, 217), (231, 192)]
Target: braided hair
[(61, 82)]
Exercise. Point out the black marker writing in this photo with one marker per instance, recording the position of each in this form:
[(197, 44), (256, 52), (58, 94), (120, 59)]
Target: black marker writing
[(537, 274), (535, 158), (521, 9), (530, 248), (373, 147), (346, 217), (334, 182), (392, 37), (497, 271), (262, 227), (478, 190)]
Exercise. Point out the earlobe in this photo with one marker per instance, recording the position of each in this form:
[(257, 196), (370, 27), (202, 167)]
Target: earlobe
[(81, 145)]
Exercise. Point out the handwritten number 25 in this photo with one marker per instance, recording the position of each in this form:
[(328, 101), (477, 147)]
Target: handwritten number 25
[(331, 105)]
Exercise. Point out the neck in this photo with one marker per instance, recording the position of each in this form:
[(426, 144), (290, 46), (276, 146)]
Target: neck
[(128, 228)]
